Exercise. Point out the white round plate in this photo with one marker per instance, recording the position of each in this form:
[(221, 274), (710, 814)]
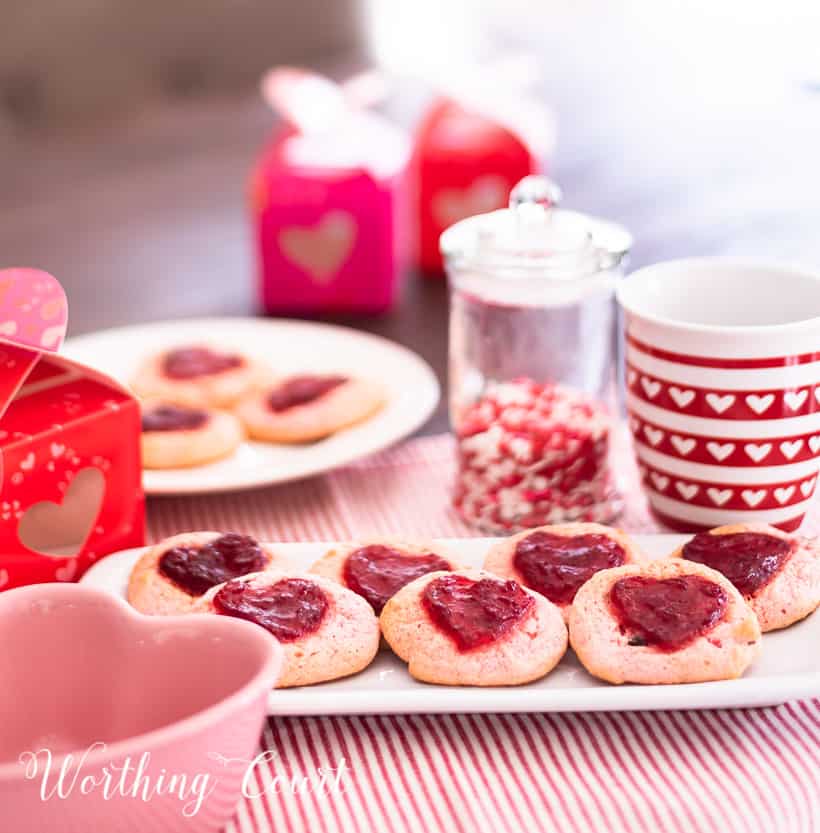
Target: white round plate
[(287, 347)]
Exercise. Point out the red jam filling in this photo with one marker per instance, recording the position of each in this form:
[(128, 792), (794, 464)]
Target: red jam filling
[(557, 565), (300, 390), (667, 613), (173, 418), (475, 613), (290, 609), (377, 572), (191, 362), (750, 560), (196, 569)]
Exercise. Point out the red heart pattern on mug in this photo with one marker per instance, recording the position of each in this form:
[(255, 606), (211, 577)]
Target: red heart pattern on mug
[(727, 453)]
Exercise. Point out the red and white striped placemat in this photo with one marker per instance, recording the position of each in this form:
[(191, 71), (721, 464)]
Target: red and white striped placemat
[(733, 771)]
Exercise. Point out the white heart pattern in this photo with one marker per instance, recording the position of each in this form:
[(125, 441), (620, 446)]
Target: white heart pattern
[(759, 404), (687, 490), (682, 397), (661, 481), (791, 449), (654, 435), (720, 451), (52, 336), (807, 486), (752, 496), (719, 404), (782, 494), (634, 424), (631, 376), (67, 571), (758, 452), (650, 386), (8, 328), (684, 445), (795, 399), (814, 443), (719, 496), (27, 463)]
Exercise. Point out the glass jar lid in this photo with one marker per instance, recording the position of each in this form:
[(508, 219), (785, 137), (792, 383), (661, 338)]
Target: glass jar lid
[(534, 236)]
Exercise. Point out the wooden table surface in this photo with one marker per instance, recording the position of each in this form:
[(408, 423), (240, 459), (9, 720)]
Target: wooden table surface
[(147, 220)]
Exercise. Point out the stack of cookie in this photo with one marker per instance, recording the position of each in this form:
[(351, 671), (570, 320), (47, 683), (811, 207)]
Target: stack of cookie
[(696, 615), (200, 402)]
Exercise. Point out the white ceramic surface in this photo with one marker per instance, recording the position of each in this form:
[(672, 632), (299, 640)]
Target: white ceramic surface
[(788, 668), (286, 346)]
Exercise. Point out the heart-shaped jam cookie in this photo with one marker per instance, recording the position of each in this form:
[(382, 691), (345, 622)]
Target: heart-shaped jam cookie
[(750, 560), (301, 390), (167, 417), (668, 613), (378, 572), (196, 569), (192, 362), (557, 565), (289, 609), (475, 613)]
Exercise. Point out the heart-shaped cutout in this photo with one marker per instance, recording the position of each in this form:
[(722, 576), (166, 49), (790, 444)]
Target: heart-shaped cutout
[(748, 559), (668, 613), (486, 193), (320, 250), (61, 529), (377, 572), (290, 608), (475, 613)]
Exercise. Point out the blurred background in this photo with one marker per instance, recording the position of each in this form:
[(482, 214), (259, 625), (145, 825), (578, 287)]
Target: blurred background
[(128, 129)]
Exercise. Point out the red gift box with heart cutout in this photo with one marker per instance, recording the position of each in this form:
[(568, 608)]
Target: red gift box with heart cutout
[(466, 162), (328, 220), (70, 472)]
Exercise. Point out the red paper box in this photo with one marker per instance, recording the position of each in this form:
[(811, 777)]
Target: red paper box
[(70, 473), (464, 163)]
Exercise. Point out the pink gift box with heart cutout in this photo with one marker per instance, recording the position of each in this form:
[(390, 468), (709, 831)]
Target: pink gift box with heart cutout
[(328, 219), (70, 473)]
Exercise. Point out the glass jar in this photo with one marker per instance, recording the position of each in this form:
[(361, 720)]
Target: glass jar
[(533, 344)]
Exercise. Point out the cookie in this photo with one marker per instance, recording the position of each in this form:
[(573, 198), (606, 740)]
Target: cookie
[(667, 621), (198, 375), (777, 573), (326, 630), (173, 574), (556, 560), (301, 409), (179, 436), (378, 569), (471, 628)]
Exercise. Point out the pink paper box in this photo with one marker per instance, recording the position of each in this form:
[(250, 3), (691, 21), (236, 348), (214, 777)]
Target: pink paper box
[(329, 236), (70, 473)]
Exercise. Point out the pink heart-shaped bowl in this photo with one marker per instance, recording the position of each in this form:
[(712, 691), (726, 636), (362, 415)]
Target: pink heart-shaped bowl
[(111, 720)]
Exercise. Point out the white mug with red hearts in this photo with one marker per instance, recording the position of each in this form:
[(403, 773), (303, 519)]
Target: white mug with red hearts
[(723, 389)]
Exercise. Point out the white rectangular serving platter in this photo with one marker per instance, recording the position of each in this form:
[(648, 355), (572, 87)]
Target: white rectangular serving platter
[(788, 668)]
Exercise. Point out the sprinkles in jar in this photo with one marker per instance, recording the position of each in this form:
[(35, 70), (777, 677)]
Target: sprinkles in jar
[(532, 362)]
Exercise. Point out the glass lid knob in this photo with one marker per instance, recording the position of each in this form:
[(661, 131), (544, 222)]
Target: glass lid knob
[(535, 190)]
